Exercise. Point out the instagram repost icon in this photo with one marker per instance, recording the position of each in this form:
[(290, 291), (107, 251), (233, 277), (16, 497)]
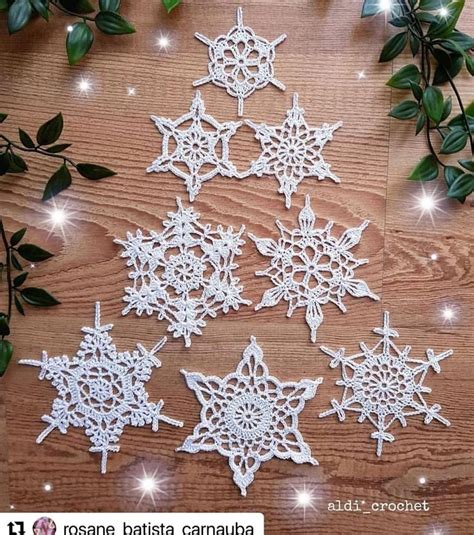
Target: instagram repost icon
[(44, 526)]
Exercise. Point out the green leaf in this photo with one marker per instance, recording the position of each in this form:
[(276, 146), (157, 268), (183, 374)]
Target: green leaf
[(408, 109), (4, 327), (17, 236), (33, 253), (4, 163), (171, 4), (112, 23), (463, 40), (78, 6), (109, 5), (445, 25), (17, 164), (78, 42), (414, 45), (461, 187), (38, 297), (470, 65), (60, 181), (18, 15), (467, 164), (26, 139), (15, 263), (19, 306), (3, 116), (420, 122), (3, 5), (94, 172), (447, 108), (6, 352), (393, 47), (427, 169), (417, 91), (50, 131), (433, 103), (54, 149), (451, 173), (455, 141), (430, 5), (470, 109), (41, 7), (458, 121), (399, 22), (427, 17), (403, 78), (20, 279), (448, 65)]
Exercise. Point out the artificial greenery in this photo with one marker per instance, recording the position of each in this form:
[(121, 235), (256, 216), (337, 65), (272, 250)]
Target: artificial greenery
[(18, 293), (428, 27), (46, 145), (104, 16)]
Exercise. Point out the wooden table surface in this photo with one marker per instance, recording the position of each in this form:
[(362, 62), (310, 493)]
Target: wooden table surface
[(327, 45)]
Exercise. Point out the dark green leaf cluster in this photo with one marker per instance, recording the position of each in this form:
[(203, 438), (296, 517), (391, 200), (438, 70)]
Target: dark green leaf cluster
[(19, 294), (46, 144), (428, 27)]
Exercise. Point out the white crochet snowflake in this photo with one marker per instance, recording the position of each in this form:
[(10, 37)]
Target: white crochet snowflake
[(241, 62), (250, 416), (309, 267), (184, 273), (195, 152), (292, 151), (384, 384), (101, 390)]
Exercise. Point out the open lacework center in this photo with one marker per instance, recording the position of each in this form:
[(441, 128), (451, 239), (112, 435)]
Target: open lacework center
[(292, 151), (185, 273), (241, 62), (384, 384), (309, 267), (195, 147), (101, 390), (250, 416)]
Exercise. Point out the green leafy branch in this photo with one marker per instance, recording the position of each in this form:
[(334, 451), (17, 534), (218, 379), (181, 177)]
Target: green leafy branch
[(429, 29), (18, 294), (46, 137), (107, 19)]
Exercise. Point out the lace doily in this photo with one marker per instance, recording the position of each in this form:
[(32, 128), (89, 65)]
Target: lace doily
[(101, 390), (184, 273), (241, 62), (292, 151), (309, 267), (195, 152), (250, 416), (384, 384)]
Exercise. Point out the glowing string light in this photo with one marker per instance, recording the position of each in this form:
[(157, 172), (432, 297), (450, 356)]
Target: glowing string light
[(69, 28), (422, 480), (48, 487)]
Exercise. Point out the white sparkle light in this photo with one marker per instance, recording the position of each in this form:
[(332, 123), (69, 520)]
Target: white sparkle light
[(58, 217), (361, 75), (428, 203), (131, 91), (163, 42), (434, 257), (32, 266), (448, 314), (12, 507), (69, 28), (48, 487), (84, 85), (385, 5), (444, 12), (422, 480), (304, 498), (149, 485)]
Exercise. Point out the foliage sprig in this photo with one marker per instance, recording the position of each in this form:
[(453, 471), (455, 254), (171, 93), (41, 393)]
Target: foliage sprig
[(18, 293), (46, 145), (428, 27)]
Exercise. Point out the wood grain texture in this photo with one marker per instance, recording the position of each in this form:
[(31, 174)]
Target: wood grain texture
[(327, 44)]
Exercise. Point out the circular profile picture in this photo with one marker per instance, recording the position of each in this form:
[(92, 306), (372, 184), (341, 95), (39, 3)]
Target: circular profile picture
[(44, 526)]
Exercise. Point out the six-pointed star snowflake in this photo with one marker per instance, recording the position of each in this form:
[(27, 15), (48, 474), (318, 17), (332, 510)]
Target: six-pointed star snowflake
[(101, 390), (241, 62), (384, 384), (250, 416), (185, 273), (309, 267), (195, 152), (292, 151)]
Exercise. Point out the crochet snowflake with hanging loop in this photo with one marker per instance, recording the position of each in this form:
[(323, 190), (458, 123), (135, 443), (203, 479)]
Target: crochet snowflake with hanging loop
[(384, 384), (184, 273), (196, 152), (309, 267), (292, 151), (241, 62), (250, 416), (101, 390)]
